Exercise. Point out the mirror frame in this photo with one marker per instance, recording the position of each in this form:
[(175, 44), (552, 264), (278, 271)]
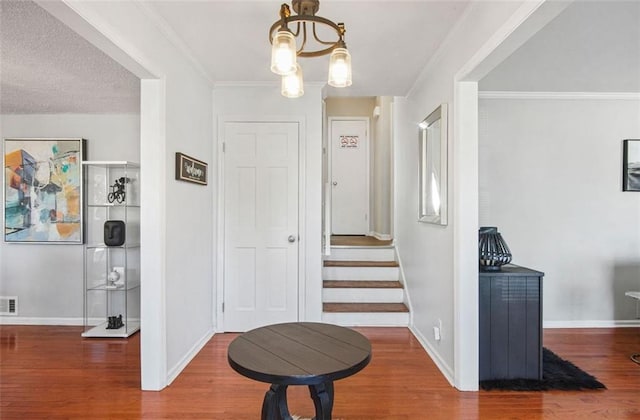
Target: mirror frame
[(432, 140)]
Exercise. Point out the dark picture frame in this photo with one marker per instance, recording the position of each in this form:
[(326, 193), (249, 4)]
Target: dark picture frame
[(42, 190), (631, 165), (190, 169)]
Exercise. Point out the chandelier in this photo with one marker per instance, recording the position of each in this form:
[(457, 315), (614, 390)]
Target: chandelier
[(284, 51)]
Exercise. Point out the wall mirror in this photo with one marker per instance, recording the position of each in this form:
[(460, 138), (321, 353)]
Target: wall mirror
[(433, 167)]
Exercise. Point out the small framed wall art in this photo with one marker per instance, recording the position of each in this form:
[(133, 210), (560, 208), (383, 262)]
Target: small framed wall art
[(631, 165), (43, 190), (190, 169)]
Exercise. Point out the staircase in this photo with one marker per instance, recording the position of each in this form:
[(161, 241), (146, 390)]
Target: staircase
[(361, 287)]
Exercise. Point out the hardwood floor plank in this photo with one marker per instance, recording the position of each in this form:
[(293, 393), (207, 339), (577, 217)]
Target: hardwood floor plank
[(51, 372), (358, 240), (364, 307)]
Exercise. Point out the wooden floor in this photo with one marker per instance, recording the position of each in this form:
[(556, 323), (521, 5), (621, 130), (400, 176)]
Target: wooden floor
[(50, 372), (357, 240)]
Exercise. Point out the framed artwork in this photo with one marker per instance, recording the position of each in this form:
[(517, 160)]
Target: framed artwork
[(432, 143), (631, 165), (43, 190), (190, 169)]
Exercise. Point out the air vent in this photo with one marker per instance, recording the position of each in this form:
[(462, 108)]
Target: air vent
[(8, 305)]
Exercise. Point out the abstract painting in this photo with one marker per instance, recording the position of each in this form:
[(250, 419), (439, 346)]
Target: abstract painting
[(43, 190), (631, 165)]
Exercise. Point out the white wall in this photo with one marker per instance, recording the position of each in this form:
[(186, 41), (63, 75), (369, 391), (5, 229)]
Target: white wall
[(264, 103), (177, 218), (426, 250), (47, 279), (550, 180), (382, 169)]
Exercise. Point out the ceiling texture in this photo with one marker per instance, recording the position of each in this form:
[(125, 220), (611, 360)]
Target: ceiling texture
[(45, 67)]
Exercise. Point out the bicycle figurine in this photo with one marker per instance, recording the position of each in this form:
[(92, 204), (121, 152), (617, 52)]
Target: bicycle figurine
[(117, 190)]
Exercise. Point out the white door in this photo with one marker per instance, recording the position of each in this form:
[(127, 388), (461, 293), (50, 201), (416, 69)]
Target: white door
[(260, 224), (349, 177)]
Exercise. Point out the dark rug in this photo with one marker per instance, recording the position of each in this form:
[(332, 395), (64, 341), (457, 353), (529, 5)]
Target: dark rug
[(557, 373)]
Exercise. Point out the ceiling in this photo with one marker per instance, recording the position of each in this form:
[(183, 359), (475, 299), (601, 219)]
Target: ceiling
[(589, 47), (46, 67)]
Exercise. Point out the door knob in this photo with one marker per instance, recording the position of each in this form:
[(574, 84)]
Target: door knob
[(291, 238), (335, 183)]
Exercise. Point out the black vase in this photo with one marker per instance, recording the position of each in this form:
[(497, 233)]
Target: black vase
[(492, 249)]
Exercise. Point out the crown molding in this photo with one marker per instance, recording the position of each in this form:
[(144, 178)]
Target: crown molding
[(173, 38), (265, 83), (625, 96)]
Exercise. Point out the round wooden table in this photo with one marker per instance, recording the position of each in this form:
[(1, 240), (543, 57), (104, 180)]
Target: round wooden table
[(299, 353)]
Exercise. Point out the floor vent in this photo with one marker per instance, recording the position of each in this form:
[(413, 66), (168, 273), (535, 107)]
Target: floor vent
[(8, 305)]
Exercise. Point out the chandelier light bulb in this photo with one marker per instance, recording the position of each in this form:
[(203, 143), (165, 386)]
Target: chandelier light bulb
[(283, 53), (292, 84), (340, 68)]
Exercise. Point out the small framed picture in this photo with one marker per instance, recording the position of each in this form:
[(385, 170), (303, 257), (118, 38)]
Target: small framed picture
[(631, 165), (190, 169)]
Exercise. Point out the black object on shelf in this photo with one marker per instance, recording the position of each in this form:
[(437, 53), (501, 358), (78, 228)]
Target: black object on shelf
[(114, 322), (510, 323), (492, 249), (114, 233)]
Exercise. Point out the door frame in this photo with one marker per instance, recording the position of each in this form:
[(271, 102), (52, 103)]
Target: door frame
[(368, 152), (220, 251)]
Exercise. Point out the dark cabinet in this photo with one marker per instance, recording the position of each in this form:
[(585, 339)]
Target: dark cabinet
[(510, 323)]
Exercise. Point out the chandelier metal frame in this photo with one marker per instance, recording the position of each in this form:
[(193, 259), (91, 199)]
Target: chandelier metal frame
[(306, 12)]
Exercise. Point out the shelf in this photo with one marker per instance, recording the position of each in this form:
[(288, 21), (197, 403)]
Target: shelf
[(100, 246), (123, 205), (101, 298), (110, 163), (104, 287), (122, 332)]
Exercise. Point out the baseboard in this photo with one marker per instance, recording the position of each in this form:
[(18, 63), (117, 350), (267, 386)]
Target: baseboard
[(592, 324), (446, 371), (178, 368), (381, 236), (24, 320)]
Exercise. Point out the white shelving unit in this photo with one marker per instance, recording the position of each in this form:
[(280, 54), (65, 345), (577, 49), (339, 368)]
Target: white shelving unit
[(107, 295)]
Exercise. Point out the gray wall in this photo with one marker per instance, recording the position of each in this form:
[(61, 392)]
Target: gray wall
[(550, 180), (47, 279)]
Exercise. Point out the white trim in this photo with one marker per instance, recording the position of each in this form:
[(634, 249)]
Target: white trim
[(367, 120), (26, 320), (401, 279), (633, 323), (445, 369), (620, 96), (95, 30), (163, 26), (302, 242), (380, 236), (188, 357), (153, 311)]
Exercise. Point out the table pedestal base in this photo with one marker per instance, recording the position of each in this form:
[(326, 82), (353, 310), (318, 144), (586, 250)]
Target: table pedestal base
[(275, 405)]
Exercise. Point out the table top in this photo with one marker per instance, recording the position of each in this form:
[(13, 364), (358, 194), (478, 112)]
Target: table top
[(299, 353)]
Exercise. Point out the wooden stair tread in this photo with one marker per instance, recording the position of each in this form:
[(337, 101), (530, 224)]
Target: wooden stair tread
[(332, 263), (361, 284), (364, 307), (356, 240)]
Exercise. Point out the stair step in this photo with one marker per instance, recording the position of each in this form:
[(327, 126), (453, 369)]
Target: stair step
[(331, 263), (361, 284), (364, 307)]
